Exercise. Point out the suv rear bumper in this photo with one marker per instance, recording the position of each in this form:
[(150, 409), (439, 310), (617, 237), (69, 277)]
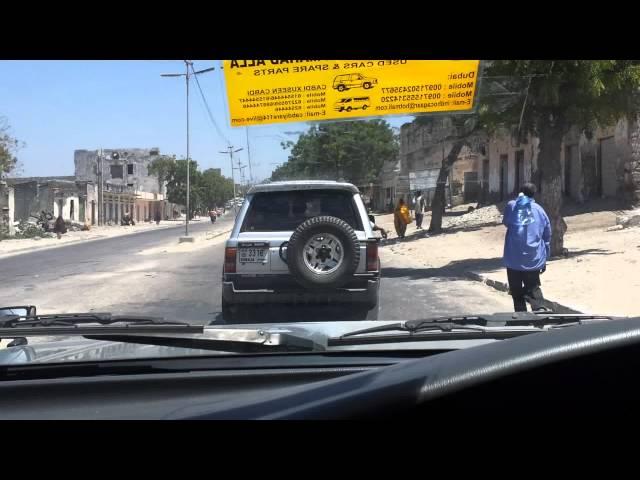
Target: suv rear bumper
[(365, 291)]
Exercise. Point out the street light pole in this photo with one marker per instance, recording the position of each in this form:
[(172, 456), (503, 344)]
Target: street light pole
[(188, 64), (233, 178), (249, 156), (186, 224)]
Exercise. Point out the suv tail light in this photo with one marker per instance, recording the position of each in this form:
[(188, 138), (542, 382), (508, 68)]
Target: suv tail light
[(230, 259), (372, 256)]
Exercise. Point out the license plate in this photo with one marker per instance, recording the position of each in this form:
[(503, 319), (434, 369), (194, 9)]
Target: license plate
[(253, 255)]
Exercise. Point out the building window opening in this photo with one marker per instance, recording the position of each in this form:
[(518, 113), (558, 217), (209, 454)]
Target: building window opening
[(130, 169), (116, 171)]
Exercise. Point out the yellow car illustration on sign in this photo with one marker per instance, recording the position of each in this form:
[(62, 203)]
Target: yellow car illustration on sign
[(348, 104), (353, 80)]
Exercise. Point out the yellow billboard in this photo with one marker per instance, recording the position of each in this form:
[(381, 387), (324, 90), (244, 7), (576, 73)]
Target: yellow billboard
[(277, 91)]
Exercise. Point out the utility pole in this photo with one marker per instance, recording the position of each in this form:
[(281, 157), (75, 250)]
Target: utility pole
[(230, 152), (249, 156), (100, 167), (188, 64)]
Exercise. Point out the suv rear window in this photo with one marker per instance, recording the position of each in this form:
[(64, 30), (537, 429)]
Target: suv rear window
[(284, 211)]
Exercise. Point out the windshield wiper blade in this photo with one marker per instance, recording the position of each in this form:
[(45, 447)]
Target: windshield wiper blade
[(90, 323), (445, 324), (497, 325), (67, 319)]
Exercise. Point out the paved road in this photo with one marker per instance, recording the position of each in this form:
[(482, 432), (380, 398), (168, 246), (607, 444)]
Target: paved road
[(150, 274)]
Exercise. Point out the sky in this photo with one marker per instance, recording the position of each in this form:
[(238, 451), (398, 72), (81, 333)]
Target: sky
[(56, 107)]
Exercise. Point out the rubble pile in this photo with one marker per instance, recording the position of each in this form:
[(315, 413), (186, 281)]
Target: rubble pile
[(489, 215), (629, 219), (46, 220), (73, 226), (30, 229)]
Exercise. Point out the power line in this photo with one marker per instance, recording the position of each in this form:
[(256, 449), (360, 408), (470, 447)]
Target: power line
[(223, 97), (209, 110), (249, 155)]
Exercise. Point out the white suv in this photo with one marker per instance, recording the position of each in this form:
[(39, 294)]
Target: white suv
[(301, 242)]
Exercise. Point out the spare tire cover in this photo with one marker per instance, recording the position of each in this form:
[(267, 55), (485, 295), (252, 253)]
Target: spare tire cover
[(323, 252)]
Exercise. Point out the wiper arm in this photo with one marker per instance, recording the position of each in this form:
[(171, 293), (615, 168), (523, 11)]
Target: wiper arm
[(154, 331), (226, 340)]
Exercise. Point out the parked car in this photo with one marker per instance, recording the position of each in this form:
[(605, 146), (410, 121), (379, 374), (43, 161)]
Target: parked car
[(304, 242)]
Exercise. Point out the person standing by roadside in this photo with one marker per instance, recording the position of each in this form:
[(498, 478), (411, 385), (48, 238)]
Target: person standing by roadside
[(526, 248), (157, 217), (59, 228), (401, 218), (419, 208)]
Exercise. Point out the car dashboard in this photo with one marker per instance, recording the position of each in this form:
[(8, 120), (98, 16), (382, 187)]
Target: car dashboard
[(571, 370)]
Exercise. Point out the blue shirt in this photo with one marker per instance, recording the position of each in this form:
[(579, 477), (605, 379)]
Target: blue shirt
[(526, 245)]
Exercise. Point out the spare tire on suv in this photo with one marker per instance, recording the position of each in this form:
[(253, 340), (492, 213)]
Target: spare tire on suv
[(323, 252)]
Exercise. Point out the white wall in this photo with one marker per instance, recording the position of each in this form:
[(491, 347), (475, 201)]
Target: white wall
[(12, 205), (66, 207)]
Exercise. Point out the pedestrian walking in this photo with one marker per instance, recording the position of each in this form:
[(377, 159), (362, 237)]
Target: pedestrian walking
[(401, 218), (526, 248), (419, 208), (59, 228), (157, 217)]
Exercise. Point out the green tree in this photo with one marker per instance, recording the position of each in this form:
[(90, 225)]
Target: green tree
[(8, 148), (556, 96), (216, 189), (352, 151), (161, 167), (177, 185)]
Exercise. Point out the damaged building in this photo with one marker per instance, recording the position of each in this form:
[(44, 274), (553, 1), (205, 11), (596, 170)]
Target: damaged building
[(75, 201), (103, 189), (423, 148), (124, 183), (604, 163)]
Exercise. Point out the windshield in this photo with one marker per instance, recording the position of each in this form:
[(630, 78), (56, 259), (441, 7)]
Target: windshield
[(316, 192)]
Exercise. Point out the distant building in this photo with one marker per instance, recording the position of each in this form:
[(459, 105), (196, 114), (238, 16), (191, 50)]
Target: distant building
[(126, 185), (122, 166), (75, 201)]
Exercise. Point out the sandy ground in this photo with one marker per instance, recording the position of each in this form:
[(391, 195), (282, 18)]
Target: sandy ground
[(598, 276)]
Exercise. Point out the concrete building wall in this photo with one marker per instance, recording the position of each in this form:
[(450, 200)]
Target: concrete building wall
[(134, 163), (501, 145), (69, 202), (6, 209), (26, 200), (12, 204), (423, 149), (632, 173), (602, 162)]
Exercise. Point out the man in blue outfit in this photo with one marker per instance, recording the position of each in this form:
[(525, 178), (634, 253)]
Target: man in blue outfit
[(526, 248)]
